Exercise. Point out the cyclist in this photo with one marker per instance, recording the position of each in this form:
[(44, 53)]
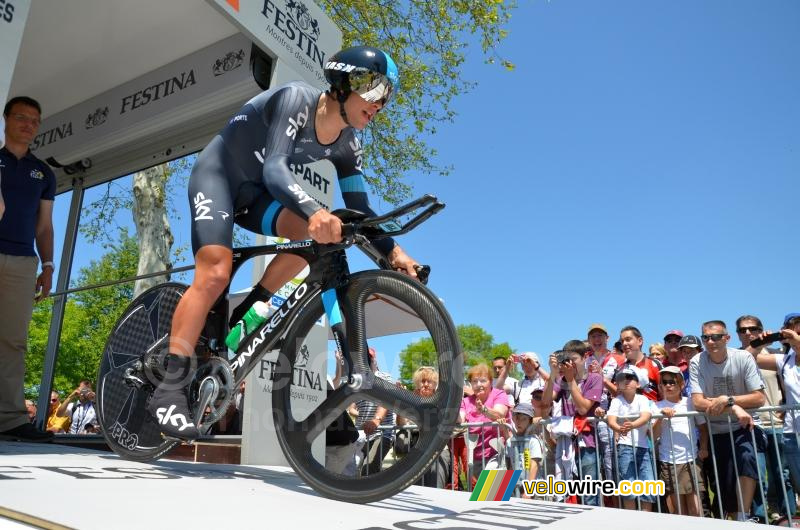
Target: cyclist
[(246, 175)]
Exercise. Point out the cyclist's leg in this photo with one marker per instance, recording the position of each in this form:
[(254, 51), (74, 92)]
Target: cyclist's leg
[(268, 217), (212, 236)]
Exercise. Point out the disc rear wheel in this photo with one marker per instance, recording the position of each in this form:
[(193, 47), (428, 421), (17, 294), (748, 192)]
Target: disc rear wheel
[(126, 378)]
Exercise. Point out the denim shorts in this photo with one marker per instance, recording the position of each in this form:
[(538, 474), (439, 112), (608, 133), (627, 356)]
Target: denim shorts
[(635, 464)]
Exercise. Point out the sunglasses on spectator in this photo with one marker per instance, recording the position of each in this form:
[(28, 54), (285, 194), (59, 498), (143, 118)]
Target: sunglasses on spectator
[(672, 338), (669, 382), (716, 337), (751, 329)]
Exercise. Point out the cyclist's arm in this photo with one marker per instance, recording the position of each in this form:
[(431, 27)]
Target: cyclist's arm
[(283, 106), (354, 194)]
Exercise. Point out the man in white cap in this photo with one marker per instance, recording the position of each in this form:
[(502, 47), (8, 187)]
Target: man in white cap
[(534, 378)]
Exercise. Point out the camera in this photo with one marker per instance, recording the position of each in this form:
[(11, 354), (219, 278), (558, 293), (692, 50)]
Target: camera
[(563, 357), (772, 337)]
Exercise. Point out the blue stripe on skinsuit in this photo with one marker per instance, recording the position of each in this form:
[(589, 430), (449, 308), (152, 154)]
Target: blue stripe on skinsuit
[(331, 307), (268, 220), (352, 184)]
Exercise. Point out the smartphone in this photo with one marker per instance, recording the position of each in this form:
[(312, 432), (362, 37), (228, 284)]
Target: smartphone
[(772, 337), (516, 358)]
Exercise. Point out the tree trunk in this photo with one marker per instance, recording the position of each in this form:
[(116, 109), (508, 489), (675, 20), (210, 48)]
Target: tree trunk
[(152, 225)]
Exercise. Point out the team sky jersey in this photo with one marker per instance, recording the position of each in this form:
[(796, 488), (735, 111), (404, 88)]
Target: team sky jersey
[(271, 146)]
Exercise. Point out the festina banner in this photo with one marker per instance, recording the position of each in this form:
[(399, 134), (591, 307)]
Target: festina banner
[(13, 14), (149, 104), (297, 32)]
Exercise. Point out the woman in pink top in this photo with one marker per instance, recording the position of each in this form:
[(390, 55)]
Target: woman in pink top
[(486, 404)]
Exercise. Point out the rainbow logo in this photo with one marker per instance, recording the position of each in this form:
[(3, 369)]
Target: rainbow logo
[(495, 485)]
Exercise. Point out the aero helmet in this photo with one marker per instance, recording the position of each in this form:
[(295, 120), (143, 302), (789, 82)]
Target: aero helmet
[(367, 71)]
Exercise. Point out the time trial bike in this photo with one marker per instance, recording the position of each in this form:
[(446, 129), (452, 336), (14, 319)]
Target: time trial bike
[(132, 363)]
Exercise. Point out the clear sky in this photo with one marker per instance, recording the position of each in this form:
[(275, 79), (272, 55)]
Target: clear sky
[(641, 165)]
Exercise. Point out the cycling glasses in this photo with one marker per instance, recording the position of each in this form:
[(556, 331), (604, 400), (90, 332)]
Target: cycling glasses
[(716, 337), (371, 86)]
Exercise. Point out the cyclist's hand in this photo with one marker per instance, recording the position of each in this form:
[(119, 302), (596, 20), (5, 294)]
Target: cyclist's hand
[(324, 227), (402, 262)]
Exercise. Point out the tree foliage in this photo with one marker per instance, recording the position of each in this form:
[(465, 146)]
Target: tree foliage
[(428, 40), (477, 344), (88, 320)]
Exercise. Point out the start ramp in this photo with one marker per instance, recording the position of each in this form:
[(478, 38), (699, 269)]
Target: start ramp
[(54, 486)]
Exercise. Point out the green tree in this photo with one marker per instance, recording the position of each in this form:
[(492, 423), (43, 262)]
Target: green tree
[(88, 319), (428, 40), (477, 344)]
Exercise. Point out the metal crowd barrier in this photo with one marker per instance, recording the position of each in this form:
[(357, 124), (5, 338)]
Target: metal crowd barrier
[(466, 442)]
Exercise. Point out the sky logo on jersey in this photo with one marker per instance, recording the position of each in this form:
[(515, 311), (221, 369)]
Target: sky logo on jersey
[(495, 485), (300, 193), (296, 123), (355, 145), (202, 207)]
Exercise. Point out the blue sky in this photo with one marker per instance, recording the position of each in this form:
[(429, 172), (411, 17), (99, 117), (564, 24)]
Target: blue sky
[(641, 165)]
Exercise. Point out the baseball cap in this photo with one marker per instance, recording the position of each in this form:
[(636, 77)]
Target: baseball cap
[(530, 355), (595, 326), (671, 370), (690, 341), (677, 332), (524, 408), (630, 370), (789, 317)]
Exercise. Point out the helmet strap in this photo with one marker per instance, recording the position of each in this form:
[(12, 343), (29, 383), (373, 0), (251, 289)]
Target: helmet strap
[(341, 97)]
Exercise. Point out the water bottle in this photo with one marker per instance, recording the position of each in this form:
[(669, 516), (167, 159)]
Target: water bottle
[(254, 317)]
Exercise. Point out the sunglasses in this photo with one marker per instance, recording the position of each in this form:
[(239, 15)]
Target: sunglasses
[(716, 337), (672, 338), (666, 382), (371, 86), (751, 329)]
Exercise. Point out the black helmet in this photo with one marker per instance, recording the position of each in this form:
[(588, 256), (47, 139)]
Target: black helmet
[(367, 71)]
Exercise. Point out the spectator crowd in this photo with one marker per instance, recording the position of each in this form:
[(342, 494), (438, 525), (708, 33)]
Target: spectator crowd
[(714, 422)]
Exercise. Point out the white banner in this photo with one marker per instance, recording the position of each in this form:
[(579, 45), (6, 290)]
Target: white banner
[(13, 14), (296, 31)]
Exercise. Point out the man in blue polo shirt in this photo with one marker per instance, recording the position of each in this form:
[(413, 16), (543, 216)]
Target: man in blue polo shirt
[(28, 189)]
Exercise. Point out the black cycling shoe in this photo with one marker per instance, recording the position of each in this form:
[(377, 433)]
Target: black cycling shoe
[(26, 433), (170, 410)]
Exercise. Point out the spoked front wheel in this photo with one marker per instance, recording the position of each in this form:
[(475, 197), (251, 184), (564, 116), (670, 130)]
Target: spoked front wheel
[(374, 303)]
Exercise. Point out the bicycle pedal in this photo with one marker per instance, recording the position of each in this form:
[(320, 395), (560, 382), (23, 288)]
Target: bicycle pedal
[(187, 441)]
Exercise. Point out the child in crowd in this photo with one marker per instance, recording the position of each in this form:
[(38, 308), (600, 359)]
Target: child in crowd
[(677, 447), (628, 416), (524, 450)]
